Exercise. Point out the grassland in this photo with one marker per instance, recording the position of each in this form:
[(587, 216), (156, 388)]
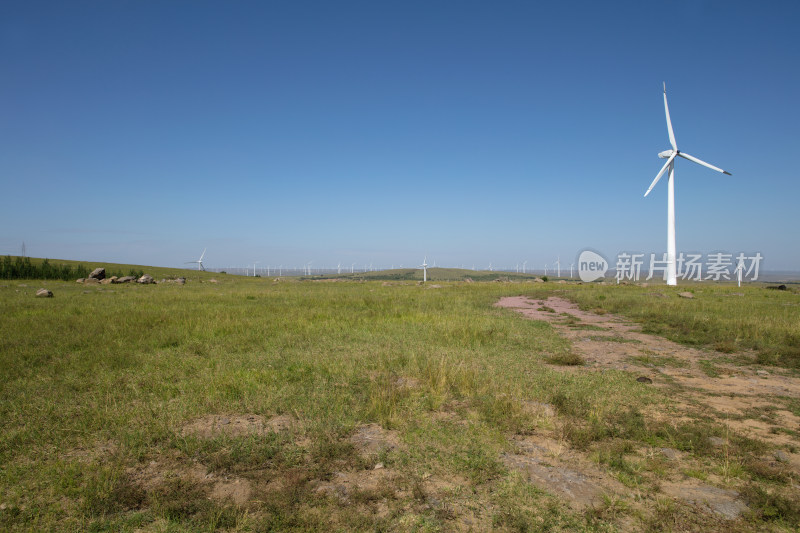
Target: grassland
[(101, 383)]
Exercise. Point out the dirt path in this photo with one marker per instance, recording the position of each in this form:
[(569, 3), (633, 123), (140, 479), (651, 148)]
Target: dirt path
[(750, 401), (609, 341)]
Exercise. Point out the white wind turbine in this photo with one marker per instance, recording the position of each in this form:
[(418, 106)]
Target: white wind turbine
[(558, 264), (739, 270), (199, 261), (571, 265), (339, 268), (670, 156), (424, 267)]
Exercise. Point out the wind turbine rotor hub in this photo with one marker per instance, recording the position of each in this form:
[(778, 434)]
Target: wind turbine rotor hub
[(667, 153)]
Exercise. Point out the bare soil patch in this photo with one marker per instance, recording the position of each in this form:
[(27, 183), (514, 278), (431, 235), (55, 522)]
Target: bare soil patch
[(211, 426), (551, 465), (372, 439)]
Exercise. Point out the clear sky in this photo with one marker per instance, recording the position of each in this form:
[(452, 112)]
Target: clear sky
[(470, 131)]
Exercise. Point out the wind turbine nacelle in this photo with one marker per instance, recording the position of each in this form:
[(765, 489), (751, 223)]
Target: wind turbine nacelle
[(665, 154)]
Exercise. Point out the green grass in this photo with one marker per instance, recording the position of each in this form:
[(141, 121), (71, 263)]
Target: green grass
[(98, 382), (765, 321)]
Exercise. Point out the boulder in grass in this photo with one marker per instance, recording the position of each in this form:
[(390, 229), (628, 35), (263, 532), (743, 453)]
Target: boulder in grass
[(91, 281), (80, 280), (147, 279), (688, 295), (125, 279), (44, 293), (98, 273)]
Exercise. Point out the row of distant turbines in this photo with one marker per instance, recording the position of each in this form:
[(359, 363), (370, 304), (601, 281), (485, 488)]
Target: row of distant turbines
[(669, 165), (308, 271)]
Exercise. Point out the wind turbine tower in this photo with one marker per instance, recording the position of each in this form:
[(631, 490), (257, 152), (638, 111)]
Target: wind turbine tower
[(670, 156), (424, 267)]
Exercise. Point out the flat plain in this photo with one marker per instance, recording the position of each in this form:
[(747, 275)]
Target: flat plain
[(264, 404)]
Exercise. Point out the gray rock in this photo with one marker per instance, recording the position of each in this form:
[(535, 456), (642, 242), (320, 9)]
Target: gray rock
[(147, 279), (180, 281), (644, 379), (91, 281), (98, 273), (125, 279), (44, 293), (782, 456), (80, 280), (670, 453), (688, 295)]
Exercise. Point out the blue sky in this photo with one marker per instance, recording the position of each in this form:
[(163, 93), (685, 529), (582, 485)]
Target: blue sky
[(473, 132)]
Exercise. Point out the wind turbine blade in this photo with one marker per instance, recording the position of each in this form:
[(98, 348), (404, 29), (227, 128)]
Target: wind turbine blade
[(700, 162), (669, 122), (203, 254), (660, 173)]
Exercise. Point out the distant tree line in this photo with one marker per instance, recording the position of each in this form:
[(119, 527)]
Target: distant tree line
[(23, 268)]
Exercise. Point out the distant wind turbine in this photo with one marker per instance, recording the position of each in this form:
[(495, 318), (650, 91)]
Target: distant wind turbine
[(739, 270), (558, 264), (570, 270), (670, 156), (424, 267), (199, 261)]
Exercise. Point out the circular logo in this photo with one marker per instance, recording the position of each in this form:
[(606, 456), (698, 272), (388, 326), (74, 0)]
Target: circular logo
[(591, 266)]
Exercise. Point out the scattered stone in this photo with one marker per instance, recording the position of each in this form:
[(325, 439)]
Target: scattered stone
[(777, 287), (644, 379), (538, 280), (80, 280), (579, 489), (782, 456), (98, 273), (91, 281), (468, 280), (762, 372), (716, 441), (688, 295), (146, 279), (725, 503), (181, 281), (212, 280), (671, 454), (378, 466), (44, 293), (125, 279)]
